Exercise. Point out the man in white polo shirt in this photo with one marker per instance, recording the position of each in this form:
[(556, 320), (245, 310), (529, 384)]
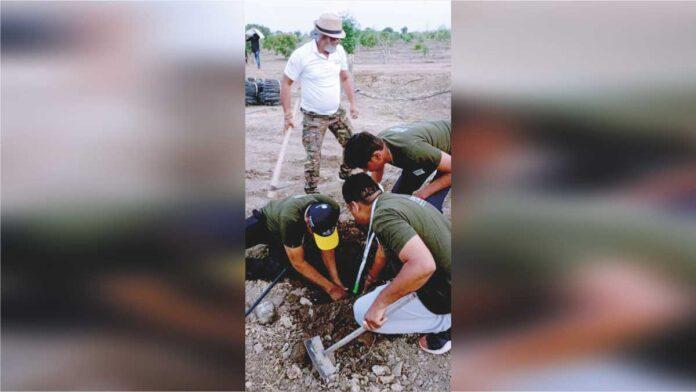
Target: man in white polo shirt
[(322, 69)]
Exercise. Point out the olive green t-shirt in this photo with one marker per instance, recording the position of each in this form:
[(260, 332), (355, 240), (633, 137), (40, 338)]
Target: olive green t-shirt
[(417, 147), (285, 217), (397, 218)]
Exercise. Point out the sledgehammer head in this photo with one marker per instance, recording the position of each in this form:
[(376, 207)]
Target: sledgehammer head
[(322, 361)]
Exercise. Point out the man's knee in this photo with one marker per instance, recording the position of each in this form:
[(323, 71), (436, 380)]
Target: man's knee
[(360, 308)]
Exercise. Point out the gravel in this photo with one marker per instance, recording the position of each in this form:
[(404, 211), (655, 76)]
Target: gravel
[(277, 360)]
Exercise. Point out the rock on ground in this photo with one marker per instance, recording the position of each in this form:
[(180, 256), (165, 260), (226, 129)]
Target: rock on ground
[(276, 358)]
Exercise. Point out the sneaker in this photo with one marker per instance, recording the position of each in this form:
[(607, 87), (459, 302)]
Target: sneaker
[(436, 343)]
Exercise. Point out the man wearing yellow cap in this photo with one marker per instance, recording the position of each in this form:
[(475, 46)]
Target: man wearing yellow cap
[(290, 221)]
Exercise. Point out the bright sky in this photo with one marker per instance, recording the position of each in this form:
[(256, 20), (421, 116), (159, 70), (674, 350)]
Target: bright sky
[(300, 15)]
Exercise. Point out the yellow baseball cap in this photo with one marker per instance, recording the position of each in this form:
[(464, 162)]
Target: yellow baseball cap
[(327, 242), (322, 220)]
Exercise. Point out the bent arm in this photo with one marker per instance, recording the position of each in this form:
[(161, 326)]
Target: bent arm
[(442, 182), (378, 264), (296, 256), (419, 265), (286, 95), (348, 88), (329, 259)]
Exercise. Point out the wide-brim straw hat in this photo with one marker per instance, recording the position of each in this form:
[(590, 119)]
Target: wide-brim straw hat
[(330, 25)]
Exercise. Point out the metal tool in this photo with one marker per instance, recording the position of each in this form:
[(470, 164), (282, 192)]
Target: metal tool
[(265, 292), (323, 359)]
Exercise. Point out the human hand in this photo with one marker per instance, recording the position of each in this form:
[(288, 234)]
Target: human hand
[(337, 292), (337, 282), (288, 123), (369, 281), (353, 112), (374, 318)]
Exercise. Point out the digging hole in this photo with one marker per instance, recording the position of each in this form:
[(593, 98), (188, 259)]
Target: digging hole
[(329, 320), (266, 262)]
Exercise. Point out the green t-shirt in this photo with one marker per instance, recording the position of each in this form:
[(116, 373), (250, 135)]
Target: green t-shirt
[(417, 147), (397, 218), (285, 217)]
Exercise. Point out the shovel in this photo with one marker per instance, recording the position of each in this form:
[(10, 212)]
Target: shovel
[(323, 359)]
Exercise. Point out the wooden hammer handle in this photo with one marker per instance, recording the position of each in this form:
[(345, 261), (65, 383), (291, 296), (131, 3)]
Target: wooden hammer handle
[(281, 156), (391, 309)]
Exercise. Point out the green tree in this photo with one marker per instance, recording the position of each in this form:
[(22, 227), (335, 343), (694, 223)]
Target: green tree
[(368, 38), (442, 34), (269, 42), (284, 44), (421, 47), (385, 40), (404, 30), (349, 41)]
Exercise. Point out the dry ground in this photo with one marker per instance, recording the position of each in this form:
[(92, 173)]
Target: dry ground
[(273, 359)]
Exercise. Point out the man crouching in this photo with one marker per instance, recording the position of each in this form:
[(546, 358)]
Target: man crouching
[(416, 233), (287, 224)]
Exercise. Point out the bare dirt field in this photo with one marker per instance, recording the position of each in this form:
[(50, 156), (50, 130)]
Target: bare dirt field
[(275, 357)]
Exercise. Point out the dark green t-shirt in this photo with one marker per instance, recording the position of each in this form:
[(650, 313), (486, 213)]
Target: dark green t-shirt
[(417, 147), (397, 218), (285, 217)]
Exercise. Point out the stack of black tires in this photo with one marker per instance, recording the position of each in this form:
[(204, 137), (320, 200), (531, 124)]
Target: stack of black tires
[(262, 92)]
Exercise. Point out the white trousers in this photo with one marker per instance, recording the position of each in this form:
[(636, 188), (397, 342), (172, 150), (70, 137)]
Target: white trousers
[(413, 317)]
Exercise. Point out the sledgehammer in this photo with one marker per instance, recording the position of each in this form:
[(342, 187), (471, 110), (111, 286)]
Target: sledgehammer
[(323, 359)]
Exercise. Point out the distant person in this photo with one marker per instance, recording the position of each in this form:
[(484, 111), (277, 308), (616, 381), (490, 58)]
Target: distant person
[(418, 148), (255, 47), (415, 233), (321, 67), (288, 224)]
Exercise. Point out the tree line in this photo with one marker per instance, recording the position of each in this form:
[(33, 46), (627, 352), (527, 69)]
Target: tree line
[(284, 43)]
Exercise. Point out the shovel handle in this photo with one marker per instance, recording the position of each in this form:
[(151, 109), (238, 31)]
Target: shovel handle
[(391, 309)]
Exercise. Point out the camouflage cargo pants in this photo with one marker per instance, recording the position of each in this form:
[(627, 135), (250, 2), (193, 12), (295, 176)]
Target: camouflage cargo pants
[(313, 129)]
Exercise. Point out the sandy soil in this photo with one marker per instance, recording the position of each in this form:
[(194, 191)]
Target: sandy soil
[(274, 355)]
